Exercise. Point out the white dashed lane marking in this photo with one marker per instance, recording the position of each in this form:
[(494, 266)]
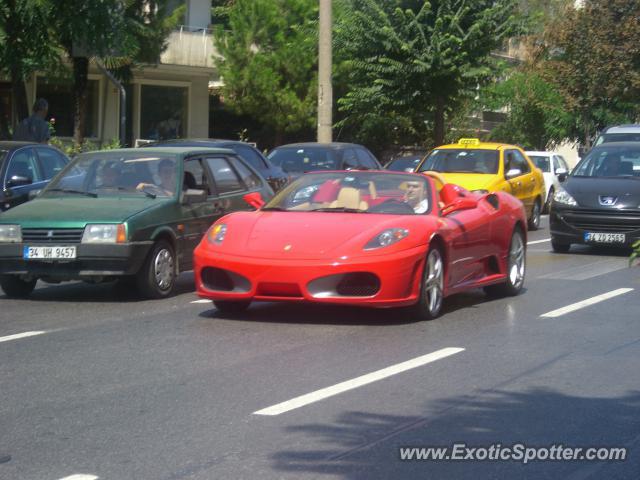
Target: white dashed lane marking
[(18, 336), (585, 303)]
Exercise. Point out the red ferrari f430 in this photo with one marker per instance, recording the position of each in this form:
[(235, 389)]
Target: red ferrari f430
[(368, 238)]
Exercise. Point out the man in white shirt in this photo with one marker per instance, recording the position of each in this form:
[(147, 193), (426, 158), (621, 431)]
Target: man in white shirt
[(415, 196)]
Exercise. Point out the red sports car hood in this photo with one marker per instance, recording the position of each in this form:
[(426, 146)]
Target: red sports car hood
[(316, 235)]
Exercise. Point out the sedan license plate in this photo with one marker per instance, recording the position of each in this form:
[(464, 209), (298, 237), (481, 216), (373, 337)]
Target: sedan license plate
[(48, 253), (598, 237)]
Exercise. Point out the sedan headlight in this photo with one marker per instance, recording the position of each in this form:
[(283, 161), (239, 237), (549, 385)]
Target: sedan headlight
[(216, 233), (563, 197), (386, 237), (108, 233), (10, 234)]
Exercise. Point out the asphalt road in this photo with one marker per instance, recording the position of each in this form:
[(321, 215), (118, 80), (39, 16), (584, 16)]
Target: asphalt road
[(112, 387)]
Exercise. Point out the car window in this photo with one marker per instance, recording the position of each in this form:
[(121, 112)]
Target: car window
[(225, 177), (303, 159), (521, 162), (563, 163), (250, 179), (365, 159), (251, 157), (23, 163), (540, 161), (349, 159), (556, 163), (195, 177), (51, 162)]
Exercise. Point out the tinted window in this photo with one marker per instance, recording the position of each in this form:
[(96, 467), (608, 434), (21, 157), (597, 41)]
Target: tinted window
[(23, 163), (250, 156), (250, 179), (462, 161), (610, 162), (225, 177), (521, 162), (51, 162), (365, 159), (618, 137), (542, 162), (195, 176), (404, 164), (349, 159), (304, 159)]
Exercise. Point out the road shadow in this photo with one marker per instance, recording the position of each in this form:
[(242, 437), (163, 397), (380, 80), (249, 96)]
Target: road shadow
[(108, 292), (364, 445), (323, 314)]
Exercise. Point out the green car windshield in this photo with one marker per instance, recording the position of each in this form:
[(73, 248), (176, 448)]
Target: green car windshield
[(99, 174)]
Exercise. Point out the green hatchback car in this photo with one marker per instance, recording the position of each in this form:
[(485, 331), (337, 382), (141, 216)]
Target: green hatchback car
[(132, 214)]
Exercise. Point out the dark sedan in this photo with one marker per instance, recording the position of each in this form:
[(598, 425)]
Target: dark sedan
[(272, 174), (26, 166), (599, 204), (408, 163), (299, 158)]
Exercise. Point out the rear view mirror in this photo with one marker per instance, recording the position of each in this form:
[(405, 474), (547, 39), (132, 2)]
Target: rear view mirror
[(561, 173), (18, 181), (514, 172), (254, 199), (192, 195)]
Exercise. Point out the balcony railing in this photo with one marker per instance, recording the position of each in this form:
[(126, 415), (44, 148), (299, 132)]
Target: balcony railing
[(191, 47)]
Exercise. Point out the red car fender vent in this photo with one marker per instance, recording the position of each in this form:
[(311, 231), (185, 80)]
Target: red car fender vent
[(276, 289), (224, 280), (355, 284)]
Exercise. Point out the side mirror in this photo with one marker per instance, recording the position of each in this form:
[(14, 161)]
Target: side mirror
[(18, 181), (34, 193), (254, 199), (562, 173), (460, 203), (194, 196), (514, 172)]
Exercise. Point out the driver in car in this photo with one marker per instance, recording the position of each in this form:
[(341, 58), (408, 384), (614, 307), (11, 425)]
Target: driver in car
[(416, 196), (167, 174)]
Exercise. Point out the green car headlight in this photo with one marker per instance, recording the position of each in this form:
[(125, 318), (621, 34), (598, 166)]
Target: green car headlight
[(10, 234), (108, 233)]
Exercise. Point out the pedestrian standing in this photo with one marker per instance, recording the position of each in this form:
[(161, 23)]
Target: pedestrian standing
[(34, 128)]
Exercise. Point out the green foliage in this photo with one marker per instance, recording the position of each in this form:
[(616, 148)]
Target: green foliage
[(269, 61), (593, 58), (413, 61), (536, 117), (72, 149)]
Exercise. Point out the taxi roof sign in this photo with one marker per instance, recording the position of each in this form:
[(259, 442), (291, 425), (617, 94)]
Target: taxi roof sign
[(469, 141)]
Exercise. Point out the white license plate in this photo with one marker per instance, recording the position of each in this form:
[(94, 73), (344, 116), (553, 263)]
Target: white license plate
[(598, 237), (49, 253)]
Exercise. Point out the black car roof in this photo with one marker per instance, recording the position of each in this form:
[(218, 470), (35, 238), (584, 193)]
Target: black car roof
[(617, 144), (334, 145)]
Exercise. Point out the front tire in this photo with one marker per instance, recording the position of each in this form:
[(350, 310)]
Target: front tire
[(157, 276), (431, 295), (516, 268), (14, 287), (231, 307), (534, 220)]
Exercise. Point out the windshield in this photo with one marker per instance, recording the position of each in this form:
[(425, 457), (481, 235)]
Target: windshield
[(355, 192), (404, 164), (543, 163), (305, 159), (102, 174), (462, 161), (611, 161), (618, 137)]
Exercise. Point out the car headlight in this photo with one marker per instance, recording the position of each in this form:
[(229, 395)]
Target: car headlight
[(563, 197), (480, 190), (386, 237), (305, 193), (216, 233), (10, 234), (107, 233)]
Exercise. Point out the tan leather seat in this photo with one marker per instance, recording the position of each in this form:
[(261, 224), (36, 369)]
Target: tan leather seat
[(349, 197)]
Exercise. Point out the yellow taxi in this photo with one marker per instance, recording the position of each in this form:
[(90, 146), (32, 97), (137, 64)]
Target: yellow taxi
[(489, 167)]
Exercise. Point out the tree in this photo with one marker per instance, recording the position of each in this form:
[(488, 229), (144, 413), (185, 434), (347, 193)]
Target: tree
[(24, 48), (536, 116), (593, 59), (269, 59), (413, 61)]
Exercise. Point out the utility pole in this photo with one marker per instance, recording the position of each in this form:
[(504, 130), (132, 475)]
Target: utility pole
[(325, 89)]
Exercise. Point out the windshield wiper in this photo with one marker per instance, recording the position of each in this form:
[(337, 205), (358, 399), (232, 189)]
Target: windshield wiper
[(273, 209), (69, 190), (338, 209)]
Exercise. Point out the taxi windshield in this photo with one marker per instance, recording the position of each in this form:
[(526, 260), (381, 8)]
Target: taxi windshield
[(355, 192), (104, 174), (454, 160)]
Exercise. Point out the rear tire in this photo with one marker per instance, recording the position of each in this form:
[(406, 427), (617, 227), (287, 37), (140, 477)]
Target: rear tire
[(516, 268), (431, 295), (534, 220), (231, 307), (14, 287), (559, 247), (157, 276)]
